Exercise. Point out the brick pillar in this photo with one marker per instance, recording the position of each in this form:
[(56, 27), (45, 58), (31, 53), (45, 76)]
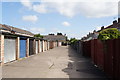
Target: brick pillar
[(2, 49), (17, 48), (27, 47), (39, 46), (45, 45), (48, 45)]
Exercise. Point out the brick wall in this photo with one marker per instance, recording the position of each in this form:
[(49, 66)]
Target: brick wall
[(2, 49)]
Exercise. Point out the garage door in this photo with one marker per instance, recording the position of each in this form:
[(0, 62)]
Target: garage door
[(36, 47), (31, 47), (9, 50), (22, 48), (41, 45)]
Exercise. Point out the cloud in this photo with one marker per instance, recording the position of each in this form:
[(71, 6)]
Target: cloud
[(31, 18), (37, 30), (70, 8), (66, 23), (40, 8), (26, 3)]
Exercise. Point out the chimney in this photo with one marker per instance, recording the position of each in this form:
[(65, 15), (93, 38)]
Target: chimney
[(118, 20), (115, 22), (102, 27)]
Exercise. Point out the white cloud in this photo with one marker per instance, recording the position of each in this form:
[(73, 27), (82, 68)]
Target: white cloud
[(37, 30), (66, 23), (31, 18), (40, 8), (63, 0), (26, 3), (70, 8)]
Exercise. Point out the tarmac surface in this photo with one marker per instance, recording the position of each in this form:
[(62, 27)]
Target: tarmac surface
[(60, 62)]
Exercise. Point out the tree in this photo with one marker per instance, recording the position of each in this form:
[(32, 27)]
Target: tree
[(110, 33), (59, 33), (72, 40), (38, 35)]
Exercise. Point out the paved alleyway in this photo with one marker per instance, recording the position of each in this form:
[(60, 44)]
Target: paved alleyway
[(61, 62)]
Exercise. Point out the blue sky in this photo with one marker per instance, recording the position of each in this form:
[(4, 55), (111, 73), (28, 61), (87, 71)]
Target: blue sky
[(75, 19)]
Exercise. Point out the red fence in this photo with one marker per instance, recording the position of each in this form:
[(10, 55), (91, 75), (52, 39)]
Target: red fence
[(106, 55), (97, 53), (86, 48)]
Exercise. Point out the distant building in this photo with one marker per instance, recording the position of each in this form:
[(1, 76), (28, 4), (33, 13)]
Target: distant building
[(94, 35), (52, 38), (60, 38)]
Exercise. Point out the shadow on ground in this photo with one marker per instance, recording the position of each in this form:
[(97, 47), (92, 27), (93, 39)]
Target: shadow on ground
[(82, 68)]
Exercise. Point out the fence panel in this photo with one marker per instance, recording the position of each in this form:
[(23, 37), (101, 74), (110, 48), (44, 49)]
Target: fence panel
[(108, 49), (116, 59), (100, 54), (92, 51), (87, 48), (95, 51)]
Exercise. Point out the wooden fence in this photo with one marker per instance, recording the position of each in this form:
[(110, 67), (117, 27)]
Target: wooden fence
[(104, 54)]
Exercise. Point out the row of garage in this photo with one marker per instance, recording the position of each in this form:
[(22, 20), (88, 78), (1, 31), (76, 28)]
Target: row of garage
[(16, 48), (10, 48), (17, 43)]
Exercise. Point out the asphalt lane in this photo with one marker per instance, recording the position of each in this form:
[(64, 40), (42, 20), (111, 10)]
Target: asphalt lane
[(60, 62)]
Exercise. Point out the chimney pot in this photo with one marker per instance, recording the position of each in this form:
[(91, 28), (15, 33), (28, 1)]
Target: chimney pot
[(114, 22), (118, 20)]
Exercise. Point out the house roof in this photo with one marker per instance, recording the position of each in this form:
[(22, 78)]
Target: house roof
[(114, 25), (55, 37), (16, 30)]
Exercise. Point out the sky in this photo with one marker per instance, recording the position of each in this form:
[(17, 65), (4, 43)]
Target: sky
[(74, 18)]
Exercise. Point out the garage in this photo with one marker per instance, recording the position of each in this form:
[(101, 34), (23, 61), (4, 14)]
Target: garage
[(31, 51), (9, 50), (40, 46), (36, 47), (22, 48), (51, 44)]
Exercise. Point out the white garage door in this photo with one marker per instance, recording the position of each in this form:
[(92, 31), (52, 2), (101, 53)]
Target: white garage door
[(9, 50), (36, 47)]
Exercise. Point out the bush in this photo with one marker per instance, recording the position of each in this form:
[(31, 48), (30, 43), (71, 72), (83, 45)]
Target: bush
[(38, 36), (110, 33), (72, 40)]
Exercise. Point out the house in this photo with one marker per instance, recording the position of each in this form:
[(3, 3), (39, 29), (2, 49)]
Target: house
[(91, 36), (116, 24), (55, 38), (94, 35)]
